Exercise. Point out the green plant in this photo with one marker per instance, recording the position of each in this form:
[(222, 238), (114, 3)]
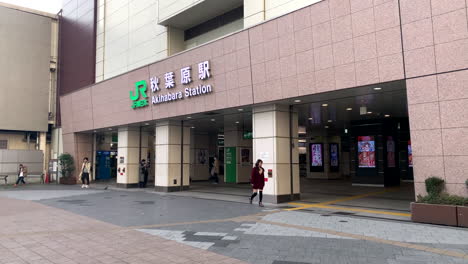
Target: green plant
[(466, 183), (67, 164), (434, 186), (443, 198)]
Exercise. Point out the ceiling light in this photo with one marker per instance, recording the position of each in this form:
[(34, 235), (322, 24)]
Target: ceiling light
[(192, 127), (146, 124), (189, 117), (110, 128), (377, 89), (326, 126), (349, 109), (387, 115), (329, 121), (324, 105), (240, 109), (346, 131), (95, 131), (297, 101), (310, 118), (369, 113), (213, 119), (237, 122)]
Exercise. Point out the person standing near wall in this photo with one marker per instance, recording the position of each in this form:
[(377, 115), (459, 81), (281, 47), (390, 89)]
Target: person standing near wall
[(215, 171), (22, 172), (257, 179), (84, 174), (143, 175)]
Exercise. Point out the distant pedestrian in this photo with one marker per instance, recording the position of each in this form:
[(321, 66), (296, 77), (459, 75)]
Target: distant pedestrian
[(215, 171), (143, 175), (84, 174), (22, 172), (257, 179)]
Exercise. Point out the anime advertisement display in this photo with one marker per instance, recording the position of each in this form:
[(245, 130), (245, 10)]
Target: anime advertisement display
[(334, 161), (390, 152), (366, 152), (410, 155), (316, 155)]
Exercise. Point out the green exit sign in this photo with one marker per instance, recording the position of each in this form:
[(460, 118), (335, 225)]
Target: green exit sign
[(248, 135)]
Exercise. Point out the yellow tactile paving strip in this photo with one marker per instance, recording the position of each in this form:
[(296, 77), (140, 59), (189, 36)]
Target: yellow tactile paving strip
[(328, 204)]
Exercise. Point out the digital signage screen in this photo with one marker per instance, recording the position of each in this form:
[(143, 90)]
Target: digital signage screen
[(316, 154), (390, 152), (334, 156), (366, 151), (410, 155)]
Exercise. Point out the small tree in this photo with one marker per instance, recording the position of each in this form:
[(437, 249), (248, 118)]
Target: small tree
[(434, 186), (67, 164)]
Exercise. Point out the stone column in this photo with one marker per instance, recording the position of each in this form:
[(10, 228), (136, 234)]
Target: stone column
[(233, 137), (169, 163), (133, 146), (271, 143)]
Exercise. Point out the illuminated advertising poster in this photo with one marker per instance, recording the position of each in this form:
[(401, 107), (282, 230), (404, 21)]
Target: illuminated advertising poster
[(334, 155), (390, 152), (316, 151), (410, 155), (366, 152)]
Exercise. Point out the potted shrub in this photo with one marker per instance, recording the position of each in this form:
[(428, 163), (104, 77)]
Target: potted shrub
[(428, 209), (67, 167)]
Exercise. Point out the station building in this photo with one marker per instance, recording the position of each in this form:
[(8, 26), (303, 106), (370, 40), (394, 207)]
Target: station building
[(364, 92)]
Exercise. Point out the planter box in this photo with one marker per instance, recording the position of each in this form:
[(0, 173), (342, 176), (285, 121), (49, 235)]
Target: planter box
[(462, 215), (434, 214), (68, 180)]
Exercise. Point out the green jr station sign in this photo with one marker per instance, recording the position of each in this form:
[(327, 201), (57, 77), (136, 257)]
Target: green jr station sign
[(140, 97)]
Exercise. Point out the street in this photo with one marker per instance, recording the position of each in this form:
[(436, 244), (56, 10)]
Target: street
[(57, 224)]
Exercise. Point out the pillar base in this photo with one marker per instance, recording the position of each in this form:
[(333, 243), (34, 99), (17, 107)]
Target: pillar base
[(127, 185), (276, 199), (170, 188)]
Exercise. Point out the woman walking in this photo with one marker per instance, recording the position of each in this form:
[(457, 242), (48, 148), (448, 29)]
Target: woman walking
[(257, 179)]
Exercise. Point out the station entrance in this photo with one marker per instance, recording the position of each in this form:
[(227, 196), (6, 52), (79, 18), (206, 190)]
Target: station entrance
[(350, 147), (354, 147)]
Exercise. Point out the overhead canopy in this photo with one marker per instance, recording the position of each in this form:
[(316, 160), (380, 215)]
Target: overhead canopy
[(199, 13)]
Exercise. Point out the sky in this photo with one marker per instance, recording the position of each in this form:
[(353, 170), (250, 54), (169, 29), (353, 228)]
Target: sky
[(51, 6)]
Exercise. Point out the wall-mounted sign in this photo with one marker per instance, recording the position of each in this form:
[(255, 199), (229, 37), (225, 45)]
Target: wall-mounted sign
[(140, 96), (366, 152), (248, 135)]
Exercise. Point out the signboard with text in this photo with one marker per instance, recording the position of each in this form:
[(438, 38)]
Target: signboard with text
[(140, 97)]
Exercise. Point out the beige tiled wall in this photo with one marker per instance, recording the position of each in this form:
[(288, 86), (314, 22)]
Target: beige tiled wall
[(128, 36)]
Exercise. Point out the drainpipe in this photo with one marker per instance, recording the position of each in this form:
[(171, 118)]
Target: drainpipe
[(291, 145), (182, 155)]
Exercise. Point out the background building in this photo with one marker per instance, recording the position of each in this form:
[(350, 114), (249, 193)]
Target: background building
[(28, 64)]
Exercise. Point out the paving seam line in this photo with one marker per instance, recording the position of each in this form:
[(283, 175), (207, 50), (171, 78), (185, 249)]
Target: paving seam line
[(373, 239)]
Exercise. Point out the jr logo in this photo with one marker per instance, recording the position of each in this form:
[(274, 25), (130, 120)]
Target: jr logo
[(140, 88)]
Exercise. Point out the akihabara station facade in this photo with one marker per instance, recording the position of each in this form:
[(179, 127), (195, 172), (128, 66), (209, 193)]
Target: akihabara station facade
[(358, 92)]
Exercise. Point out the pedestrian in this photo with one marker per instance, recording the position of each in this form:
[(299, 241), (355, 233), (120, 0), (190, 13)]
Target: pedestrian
[(143, 176), (257, 179), (215, 171), (85, 170), (22, 172)]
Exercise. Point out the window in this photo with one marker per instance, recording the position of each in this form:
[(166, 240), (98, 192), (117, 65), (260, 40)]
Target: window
[(214, 23), (3, 144)]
